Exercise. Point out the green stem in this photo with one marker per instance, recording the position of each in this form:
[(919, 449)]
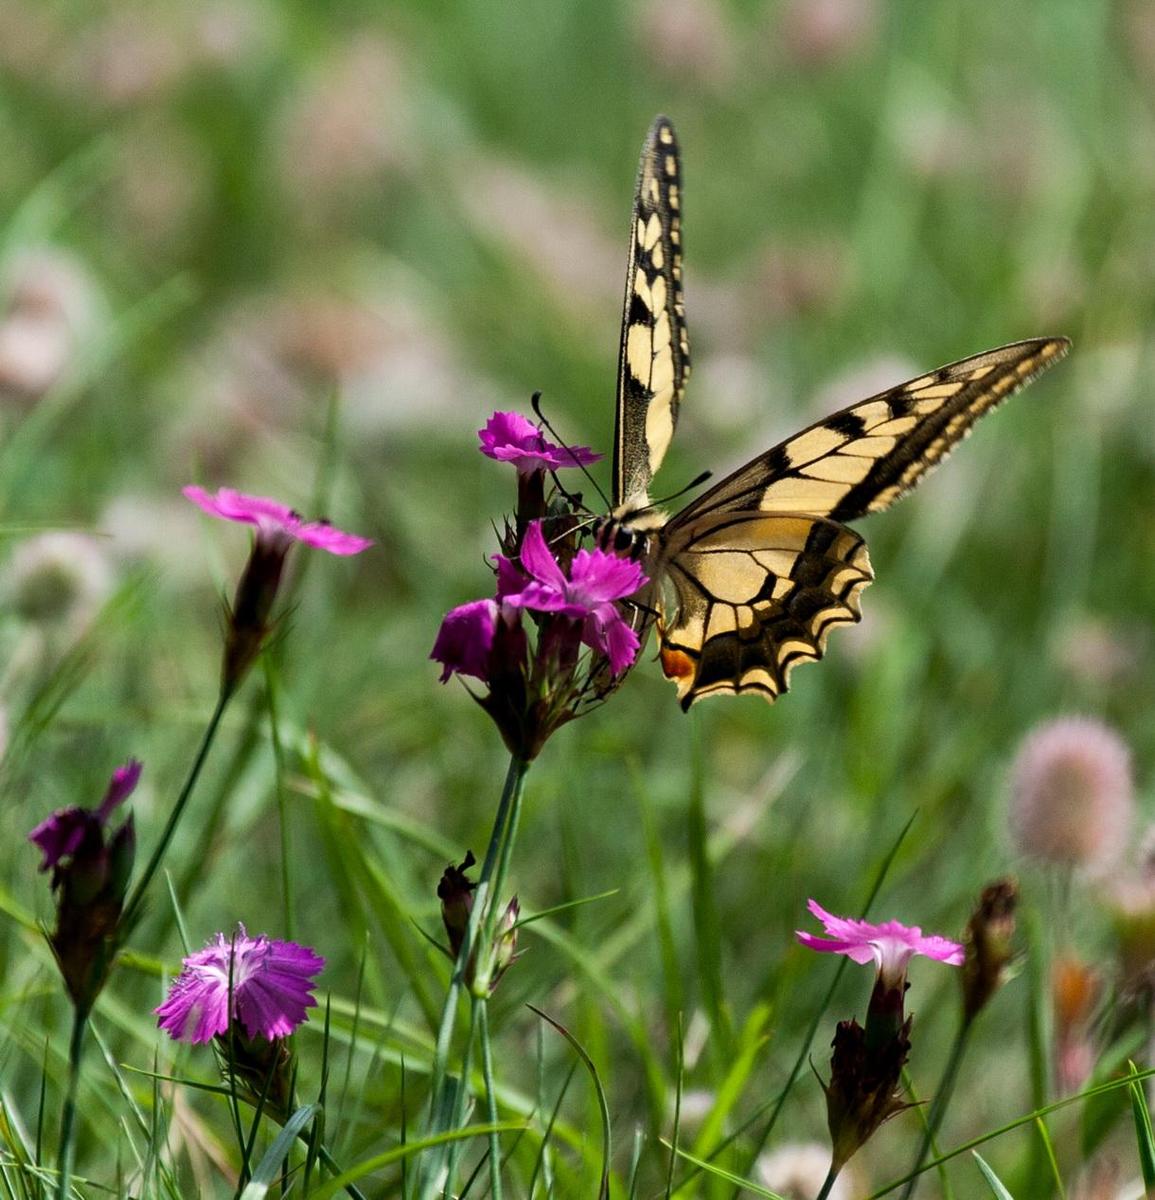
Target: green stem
[(500, 847), (68, 1116), (831, 1176), (510, 800), (457, 1116), (482, 1006), (132, 906), (939, 1105)]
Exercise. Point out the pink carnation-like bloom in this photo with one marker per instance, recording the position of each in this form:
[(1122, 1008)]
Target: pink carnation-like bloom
[(69, 830), (597, 578), (271, 986), (275, 522), (889, 945), (510, 437)]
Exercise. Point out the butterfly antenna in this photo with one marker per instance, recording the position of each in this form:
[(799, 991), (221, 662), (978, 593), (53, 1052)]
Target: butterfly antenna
[(697, 481), (589, 521), (535, 403)]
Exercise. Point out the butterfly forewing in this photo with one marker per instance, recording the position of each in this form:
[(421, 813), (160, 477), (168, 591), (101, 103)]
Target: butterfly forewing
[(865, 457), (745, 597), (654, 359)]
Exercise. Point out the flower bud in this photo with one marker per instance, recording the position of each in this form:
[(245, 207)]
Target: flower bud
[(455, 891), (504, 949), (988, 945), (864, 1086), (91, 870)]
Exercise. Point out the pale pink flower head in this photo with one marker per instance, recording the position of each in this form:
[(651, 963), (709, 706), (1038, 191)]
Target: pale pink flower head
[(597, 579), (275, 522), (1072, 794), (269, 983), (890, 945), (510, 437)]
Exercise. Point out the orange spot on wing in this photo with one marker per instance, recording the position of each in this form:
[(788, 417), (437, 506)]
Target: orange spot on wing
[(677, 665)]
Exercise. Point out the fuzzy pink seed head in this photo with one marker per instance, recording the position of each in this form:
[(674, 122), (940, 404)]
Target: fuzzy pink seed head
[(1072, 794)]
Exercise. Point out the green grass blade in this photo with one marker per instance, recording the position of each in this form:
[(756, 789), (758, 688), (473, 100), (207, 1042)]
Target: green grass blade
[(994, 1182), (268, 1169), (603, 1106), (1143, 1134), (379, 1162), (745, 1185)]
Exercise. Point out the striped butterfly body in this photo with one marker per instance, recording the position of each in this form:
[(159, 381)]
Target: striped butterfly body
[(750, 577)]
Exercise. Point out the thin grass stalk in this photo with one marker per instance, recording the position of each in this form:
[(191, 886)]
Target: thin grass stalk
[(939, 1104), (132, 906), (68, 1116), (282, 800)]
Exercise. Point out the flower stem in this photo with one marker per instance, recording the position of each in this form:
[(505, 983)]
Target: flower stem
[(132, 906), (510, 803), (497, 857), (482, 1005), (939, 1104), (828, 1184), (68, 1116)]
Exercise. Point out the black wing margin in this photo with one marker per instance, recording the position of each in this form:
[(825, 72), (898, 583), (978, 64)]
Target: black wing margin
[(862, 459)]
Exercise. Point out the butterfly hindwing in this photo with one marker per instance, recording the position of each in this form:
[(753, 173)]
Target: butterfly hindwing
[(745, 597), (654, 358), (865, 457)]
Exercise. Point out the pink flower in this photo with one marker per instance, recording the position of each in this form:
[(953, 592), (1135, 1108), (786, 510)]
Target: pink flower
[(275, 522), (890, 945), (465, 640), (79, 832), (596, 580), (270, 983), (1073, 794), (510, 437), (91, 868)]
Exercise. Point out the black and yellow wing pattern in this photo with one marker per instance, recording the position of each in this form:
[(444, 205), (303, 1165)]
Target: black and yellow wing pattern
[(654, 357), (751, 576)]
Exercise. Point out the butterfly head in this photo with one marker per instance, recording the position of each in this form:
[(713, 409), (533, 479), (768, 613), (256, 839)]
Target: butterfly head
[(630, 529)]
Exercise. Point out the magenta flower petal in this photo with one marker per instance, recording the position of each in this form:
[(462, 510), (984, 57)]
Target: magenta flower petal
[(510, 577), (323, 536), (510, 437), (597, 575), (274, 520), (271, 985), (607, 633), (65, 832), (890, 944), (62, 834), (537, 559), (464, 642), (120, 787)]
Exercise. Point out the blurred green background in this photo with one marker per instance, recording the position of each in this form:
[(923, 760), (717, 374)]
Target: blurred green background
[(306, 249)]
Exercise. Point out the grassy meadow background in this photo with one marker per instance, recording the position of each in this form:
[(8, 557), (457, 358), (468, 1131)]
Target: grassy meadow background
[(305, 250)]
